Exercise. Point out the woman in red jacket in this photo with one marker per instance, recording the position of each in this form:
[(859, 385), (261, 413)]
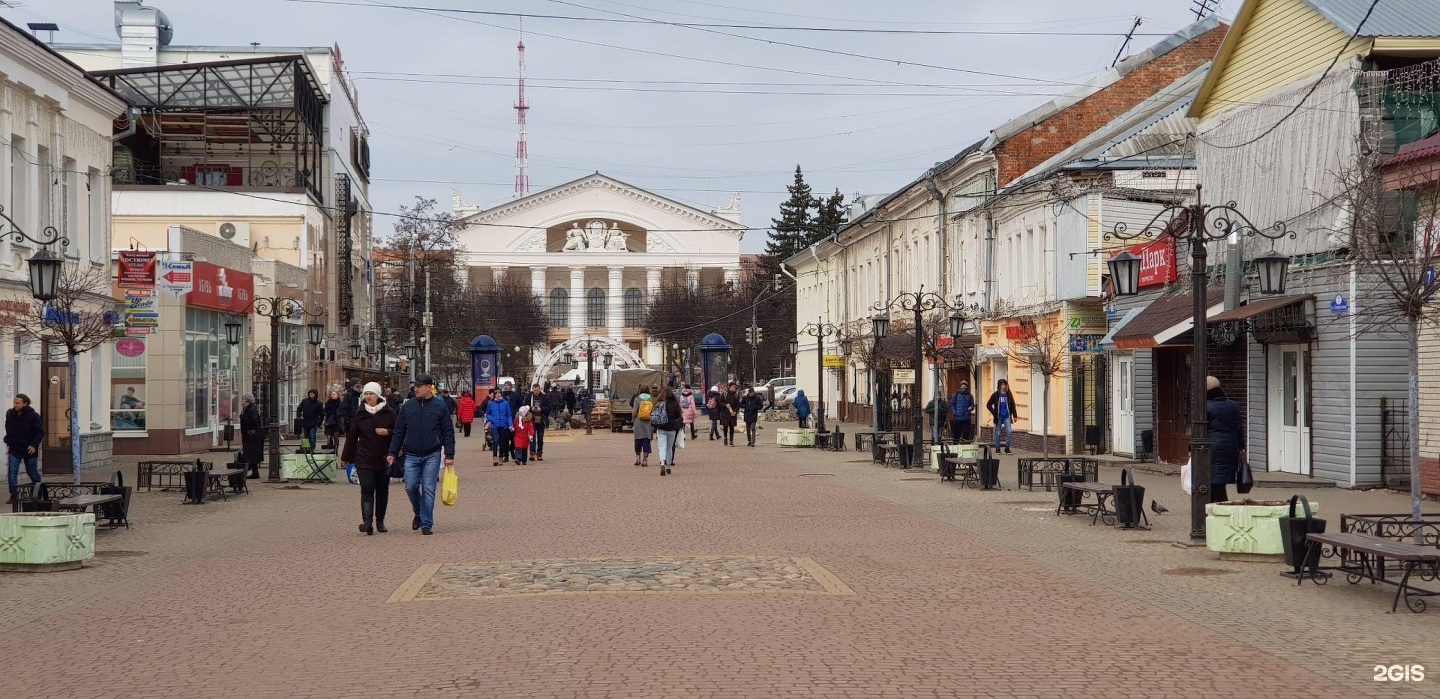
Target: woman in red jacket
[(466, 409)]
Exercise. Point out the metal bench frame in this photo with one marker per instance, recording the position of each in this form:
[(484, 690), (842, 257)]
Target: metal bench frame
[(1365, 558)]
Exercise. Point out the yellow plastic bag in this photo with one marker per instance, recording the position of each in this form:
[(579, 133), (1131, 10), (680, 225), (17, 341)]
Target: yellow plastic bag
[(449, 486)]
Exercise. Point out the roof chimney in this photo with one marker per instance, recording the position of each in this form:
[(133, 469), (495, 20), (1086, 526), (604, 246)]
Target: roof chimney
[(142, 30)]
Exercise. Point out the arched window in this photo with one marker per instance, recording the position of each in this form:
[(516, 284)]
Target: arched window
[(595, 308), (559, 308), (634, 308)]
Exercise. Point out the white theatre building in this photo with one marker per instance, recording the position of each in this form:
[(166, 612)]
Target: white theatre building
[(596, 249)]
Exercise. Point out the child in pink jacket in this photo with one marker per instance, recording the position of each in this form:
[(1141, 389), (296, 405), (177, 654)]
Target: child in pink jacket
[(524, 432)]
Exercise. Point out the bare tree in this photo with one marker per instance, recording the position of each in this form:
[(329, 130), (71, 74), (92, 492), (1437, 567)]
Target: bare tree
[(1042, 350), (1394, 234), (80, 318)]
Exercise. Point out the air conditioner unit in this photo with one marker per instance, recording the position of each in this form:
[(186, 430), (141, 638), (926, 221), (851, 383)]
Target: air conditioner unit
[(237, 232)]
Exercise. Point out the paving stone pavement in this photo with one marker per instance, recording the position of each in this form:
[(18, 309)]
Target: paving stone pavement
[(956, 593)]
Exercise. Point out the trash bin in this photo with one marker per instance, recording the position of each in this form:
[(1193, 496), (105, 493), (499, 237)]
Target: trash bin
[(1070, 499), (1129, 500), (195, 484), (1298, 552)]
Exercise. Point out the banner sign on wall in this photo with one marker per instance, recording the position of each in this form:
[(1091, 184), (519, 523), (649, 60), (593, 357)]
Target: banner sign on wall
[(137, 269), (1157, 261), (220, 288)]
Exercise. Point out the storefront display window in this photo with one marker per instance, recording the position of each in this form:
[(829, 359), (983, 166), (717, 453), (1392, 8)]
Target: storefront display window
[(128, 397), (210, 370)]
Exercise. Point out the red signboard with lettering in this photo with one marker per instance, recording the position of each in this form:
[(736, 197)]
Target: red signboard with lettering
[(1157, 261), (221, 288), (137, 269)]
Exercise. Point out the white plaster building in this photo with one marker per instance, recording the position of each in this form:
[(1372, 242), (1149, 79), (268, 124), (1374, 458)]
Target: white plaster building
[(596, 249), (54, 172)]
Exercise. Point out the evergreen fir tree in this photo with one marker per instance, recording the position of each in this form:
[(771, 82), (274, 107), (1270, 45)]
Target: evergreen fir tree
[(829, 216), (793, 228)]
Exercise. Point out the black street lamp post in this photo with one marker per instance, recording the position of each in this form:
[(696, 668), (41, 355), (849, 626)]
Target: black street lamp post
[(589, 345), (918, 303), (1199, 224), (818, 330), (276, 308)]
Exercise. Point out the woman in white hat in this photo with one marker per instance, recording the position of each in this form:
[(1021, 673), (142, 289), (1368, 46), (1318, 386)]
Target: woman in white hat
[(366, 445)]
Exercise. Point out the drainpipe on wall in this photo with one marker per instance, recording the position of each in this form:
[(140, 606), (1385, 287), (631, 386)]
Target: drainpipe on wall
[(1234, 260)]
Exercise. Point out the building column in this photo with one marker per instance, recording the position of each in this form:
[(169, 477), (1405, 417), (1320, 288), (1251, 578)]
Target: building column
[(537, 287), (615, 302), (652, 281), (692, 277), (732, 277), (497, 273), (577, 301)]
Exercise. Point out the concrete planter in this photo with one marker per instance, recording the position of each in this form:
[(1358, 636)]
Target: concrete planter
[(45, 541), (794, 437), (294, 468), (964, 451), (1244, 529)]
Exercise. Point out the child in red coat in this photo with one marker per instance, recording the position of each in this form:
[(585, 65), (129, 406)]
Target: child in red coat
[(524, 432)]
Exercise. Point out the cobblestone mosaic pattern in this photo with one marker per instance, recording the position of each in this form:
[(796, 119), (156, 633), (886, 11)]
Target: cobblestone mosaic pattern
[(719, 574)]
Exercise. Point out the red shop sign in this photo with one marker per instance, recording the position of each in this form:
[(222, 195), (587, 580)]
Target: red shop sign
[(221, 288), (1157, 261)]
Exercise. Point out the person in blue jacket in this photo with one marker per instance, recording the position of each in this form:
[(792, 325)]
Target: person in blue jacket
[(498, 419), (962, 413), (802, 407), (1227, 439)]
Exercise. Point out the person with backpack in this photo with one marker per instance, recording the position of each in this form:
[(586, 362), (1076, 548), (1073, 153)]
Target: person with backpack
[(498, 421), (751, 405), (524, 430), (643, 406), (687, 409), (666, 420)]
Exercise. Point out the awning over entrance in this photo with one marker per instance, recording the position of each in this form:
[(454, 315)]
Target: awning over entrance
[(1166, 319), (1108, 342), (1255, 308)]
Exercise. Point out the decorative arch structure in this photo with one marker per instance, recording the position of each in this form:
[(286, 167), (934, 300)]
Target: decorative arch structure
[(623, 357)]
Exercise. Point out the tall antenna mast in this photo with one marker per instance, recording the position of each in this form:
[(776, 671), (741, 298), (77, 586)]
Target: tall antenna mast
[(522, 150)]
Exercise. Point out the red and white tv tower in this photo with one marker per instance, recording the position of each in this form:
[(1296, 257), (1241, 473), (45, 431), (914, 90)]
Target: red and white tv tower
[(522, 151)]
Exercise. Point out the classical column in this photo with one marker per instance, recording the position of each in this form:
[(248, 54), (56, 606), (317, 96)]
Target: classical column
[(652, 281), (497, 273), (537, 287), (692, 277), (577, 301), (615, 301), (732, 276)]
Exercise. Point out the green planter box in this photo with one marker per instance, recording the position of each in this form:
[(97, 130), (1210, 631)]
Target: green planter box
[(1247, 529), (794, 437), (41, 541), (964, 451), (294, 468)]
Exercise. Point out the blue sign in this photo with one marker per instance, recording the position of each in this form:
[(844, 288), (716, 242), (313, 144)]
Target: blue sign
[(1339, 306), (1086, 344), (1429, 283)]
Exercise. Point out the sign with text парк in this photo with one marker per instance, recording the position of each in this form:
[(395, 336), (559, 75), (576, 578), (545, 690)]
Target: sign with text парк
[(220, 288), (904, 376), (1157, 261), (137, 269)]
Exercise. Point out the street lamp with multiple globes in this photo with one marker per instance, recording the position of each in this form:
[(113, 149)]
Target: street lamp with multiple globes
[(818, 330), (588, 345), (919, 303), (1199, 224), (276, 308)]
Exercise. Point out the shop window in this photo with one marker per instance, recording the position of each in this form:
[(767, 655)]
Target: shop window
[(128, 397)]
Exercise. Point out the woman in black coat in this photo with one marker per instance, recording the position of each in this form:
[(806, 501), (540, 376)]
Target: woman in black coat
[(1227, 439), (310, 414), (333, 430), (252, 435), (366, 446)]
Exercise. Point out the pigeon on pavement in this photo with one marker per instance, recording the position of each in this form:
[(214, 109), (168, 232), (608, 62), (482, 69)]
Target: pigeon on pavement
[(1157, 508)]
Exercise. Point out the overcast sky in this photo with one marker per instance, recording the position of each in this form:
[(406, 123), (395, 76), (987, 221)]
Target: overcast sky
[(629, 98)]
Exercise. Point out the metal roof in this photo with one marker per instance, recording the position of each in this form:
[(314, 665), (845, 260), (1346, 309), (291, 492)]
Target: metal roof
[(1413, 18)]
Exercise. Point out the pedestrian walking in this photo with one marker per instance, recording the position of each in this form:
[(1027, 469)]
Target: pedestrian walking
[(687, 409), (350, 404), (450, 403), (366, 445), (309, 415), (643, 407), (730, 412), (586, 403), (252, 435), (540, 406), (938, 422), (332, 421), (514, 399), (524, 431), (1227, 439), (667, 422), (712, 408), (394, 400), (1002, 413), (498, 421), (962, 413), (424, 431), (24, 432), (466, 412), (750, 406), (802, 408)]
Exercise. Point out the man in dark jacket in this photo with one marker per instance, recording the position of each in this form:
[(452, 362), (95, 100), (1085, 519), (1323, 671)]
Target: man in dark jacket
[(349, 404), (751, 405), (252, 435), (508, 393), (23, 434), (962, 413), (426, 431), (540, 404), (1227, 439)]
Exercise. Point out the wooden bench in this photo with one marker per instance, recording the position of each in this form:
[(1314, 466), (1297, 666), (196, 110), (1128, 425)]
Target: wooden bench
[(1368, 563), (229, 478), (962, 467), (1075, 503), (80, 503)]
